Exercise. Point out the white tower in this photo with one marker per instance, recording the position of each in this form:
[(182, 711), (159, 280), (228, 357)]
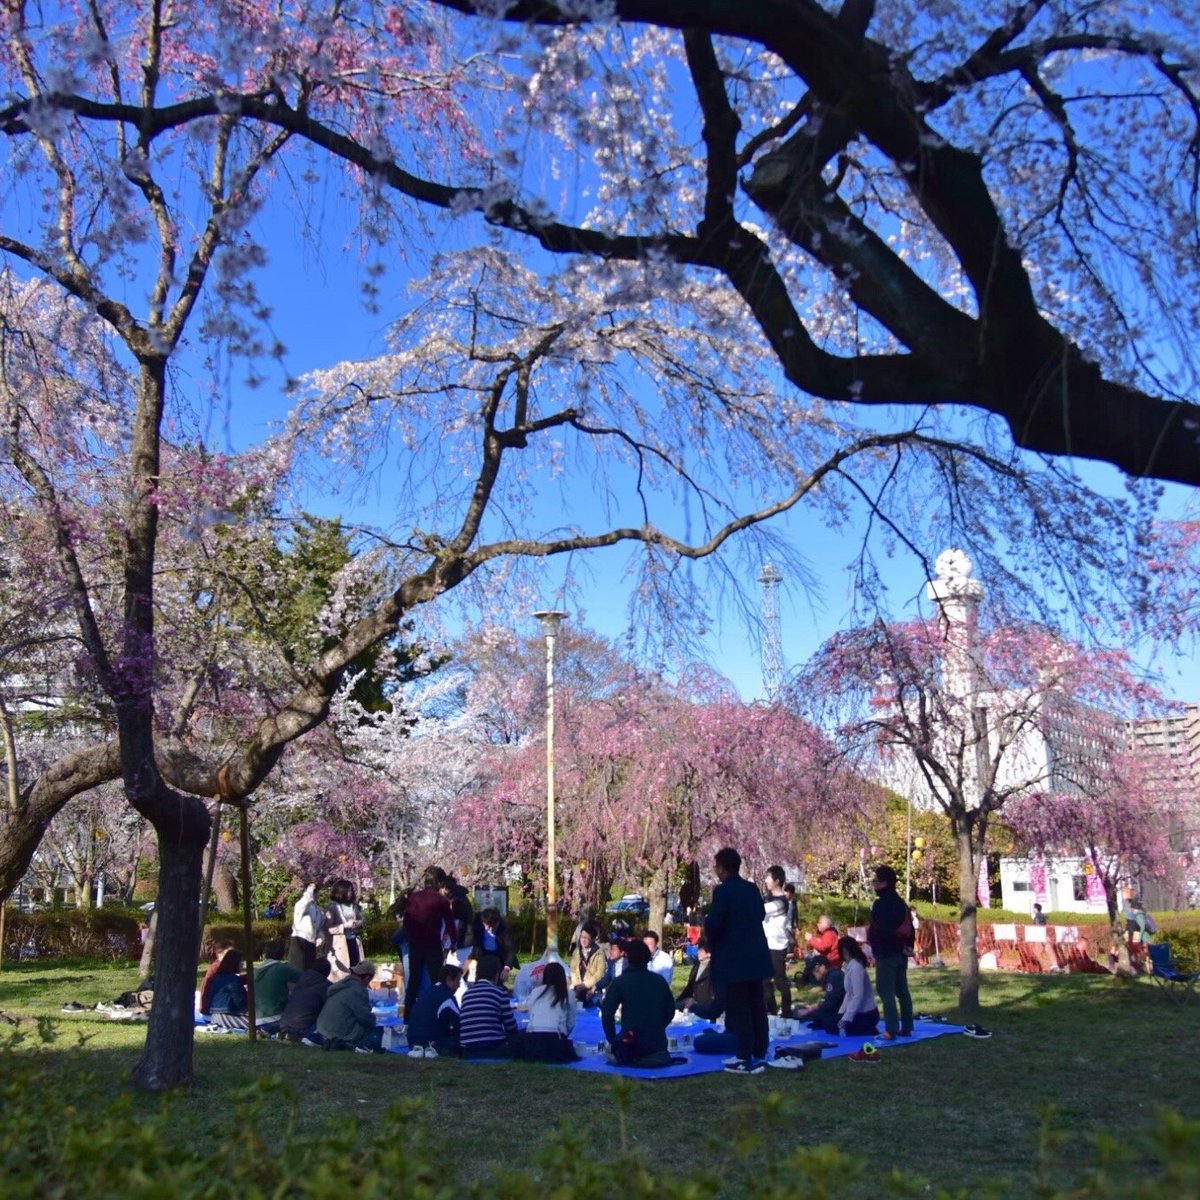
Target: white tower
[(770, 636)]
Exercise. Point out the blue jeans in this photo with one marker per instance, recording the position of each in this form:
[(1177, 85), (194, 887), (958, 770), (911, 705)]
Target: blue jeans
[(891, 982)]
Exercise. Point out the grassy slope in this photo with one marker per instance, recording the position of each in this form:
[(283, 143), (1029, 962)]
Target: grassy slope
[(1104, 1052)]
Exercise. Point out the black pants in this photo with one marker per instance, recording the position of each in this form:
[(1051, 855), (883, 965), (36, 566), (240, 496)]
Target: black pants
[(428, 959), (302, 953), (779, 980), (746, 1017)]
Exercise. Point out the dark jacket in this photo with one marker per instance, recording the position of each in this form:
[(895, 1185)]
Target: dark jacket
[(647, 1008), (735, 932), (699, 986), (505, 950), (888, 913), (426, 916), (305, 1003), (835, 993), (434, 1019), (226, 995)]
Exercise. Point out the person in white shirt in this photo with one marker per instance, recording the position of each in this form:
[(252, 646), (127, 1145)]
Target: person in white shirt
[(779, 937), (661, 963), (552, 1012), (308, 925)]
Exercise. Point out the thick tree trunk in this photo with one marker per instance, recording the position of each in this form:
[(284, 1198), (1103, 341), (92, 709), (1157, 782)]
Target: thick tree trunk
[(968, 946), (166, 1059), (225, 890)]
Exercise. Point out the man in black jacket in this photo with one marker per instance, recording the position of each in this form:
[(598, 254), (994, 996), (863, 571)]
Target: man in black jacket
[(889, 935), (647, 1008), (741, 960)]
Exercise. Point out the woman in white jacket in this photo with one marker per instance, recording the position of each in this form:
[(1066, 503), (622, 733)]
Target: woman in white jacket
[(308, 925), (552, 1012)]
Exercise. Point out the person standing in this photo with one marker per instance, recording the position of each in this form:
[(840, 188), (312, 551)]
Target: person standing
[(741, 960), (890, 935), (429, 924), (779, 940), (343, 928), (308, 924)]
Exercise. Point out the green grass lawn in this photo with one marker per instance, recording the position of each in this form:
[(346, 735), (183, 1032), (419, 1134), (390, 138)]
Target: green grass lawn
[(1103, 1053)]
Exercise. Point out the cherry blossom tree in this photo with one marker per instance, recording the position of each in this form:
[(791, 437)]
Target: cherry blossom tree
[(980, 204), (654, 776), (1012, 716), (1112, 813), (143, 147)]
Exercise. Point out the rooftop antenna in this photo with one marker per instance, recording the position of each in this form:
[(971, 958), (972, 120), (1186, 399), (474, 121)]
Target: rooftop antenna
[(770, 639)]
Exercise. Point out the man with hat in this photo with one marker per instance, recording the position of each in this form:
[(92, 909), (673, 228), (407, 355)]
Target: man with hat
[(346, 1021)]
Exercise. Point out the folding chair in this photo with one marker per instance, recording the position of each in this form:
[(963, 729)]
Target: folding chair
[(1179, 985)]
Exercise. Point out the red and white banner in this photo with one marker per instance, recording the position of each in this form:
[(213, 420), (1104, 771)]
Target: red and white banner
[(984, 892)]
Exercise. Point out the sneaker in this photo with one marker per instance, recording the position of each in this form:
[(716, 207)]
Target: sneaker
[(417, 1052), (430, 1052), (787, 1064), (73, 1006), (977, 1031), (362, 1050), (861, 1056), (745, 1066), (728, 1062), (304, 1041)]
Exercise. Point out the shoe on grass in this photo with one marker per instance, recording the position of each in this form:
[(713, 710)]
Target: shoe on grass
[(977, 1031), (790, 1063), (745, 1066), (861, 1056), (417, 1052)]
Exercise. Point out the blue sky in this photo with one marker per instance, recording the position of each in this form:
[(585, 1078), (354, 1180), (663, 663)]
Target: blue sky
[(320, 316)]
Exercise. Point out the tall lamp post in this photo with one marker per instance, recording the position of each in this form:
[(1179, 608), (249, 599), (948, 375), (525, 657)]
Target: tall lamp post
[(551, 620)]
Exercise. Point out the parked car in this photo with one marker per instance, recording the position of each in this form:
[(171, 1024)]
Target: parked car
[(630, 906)]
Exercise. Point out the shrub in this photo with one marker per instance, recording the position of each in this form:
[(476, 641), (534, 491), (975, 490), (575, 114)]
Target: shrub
[(61, 1137), (261, 933), (81, 933)]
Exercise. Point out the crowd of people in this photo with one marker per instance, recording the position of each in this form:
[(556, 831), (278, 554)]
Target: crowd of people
[(458, 966)]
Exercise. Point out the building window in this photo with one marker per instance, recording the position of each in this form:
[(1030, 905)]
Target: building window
[(1020, 885)]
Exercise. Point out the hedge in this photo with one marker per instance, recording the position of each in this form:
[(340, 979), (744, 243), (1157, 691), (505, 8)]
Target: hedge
[(74, 933)]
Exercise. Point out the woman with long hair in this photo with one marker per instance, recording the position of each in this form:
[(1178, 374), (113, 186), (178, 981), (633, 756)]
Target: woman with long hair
[(858, 1014), (552, 1011), (343, 929), (225, 1004)]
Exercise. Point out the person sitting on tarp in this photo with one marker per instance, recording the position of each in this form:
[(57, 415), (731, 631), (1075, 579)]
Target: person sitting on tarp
[(699, 987), (433, 1023), (486, 1025), (298, 1022), (346, 1021), (273, 983), (224, 1001), (824, 1016), (647, 1008), (588, 965)]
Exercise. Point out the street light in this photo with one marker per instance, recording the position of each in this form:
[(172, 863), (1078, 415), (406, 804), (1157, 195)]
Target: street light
[(551, 620)]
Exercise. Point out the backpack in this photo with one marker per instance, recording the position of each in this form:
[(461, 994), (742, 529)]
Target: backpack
[(1151, 923), (905, 932)]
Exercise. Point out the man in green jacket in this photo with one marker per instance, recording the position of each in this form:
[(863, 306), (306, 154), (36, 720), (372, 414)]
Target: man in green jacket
[(647, 1008), (346, 1021)]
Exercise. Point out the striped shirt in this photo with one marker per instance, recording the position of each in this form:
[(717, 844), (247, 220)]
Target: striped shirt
[(485, 1017)]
